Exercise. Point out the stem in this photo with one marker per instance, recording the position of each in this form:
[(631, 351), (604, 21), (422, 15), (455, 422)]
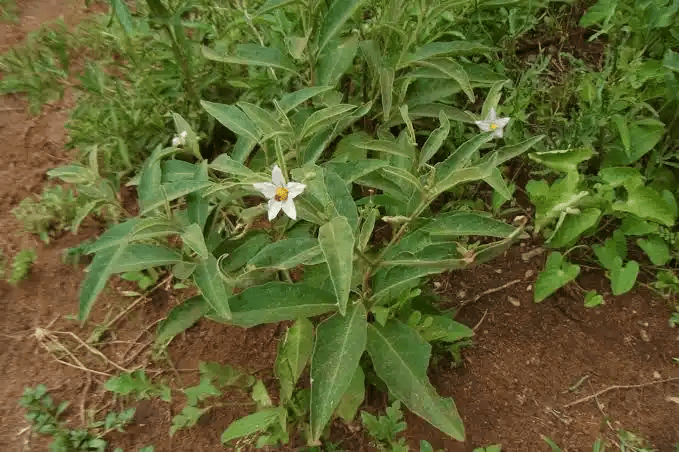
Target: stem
[(281, 158)]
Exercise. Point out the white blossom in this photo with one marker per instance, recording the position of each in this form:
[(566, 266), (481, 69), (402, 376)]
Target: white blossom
[(280, 194), (493, 124), (179, 140)]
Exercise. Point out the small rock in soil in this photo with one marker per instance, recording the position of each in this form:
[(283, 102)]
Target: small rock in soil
[(529, 273), (528, 255), (644, 336), (513, 300)]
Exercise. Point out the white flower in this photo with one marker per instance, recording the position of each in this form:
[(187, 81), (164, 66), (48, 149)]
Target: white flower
[(179, 140), (280, 194), (493, 124)]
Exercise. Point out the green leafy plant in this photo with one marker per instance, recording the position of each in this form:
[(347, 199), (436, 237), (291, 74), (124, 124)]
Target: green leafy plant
[(21, 265), (49, 215), (492, 448), (45, 418)]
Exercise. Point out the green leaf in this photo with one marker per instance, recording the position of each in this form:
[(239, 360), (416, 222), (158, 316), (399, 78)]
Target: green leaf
[(656, 249), (601, 10), (460, 158), (353, 397), (336, 239), (174, 170), (227, 165), (557, 273), (101, 268), (563, 160), (401, 357), (460, 224), (340, 11), (452, 48), (138, 384), (253, 423), (671, 60), (208, 279), (188, 417), (293, 355), (339, 201), (435, 139), (322, 118), (445, 329), (201, 391), (115, 236), (173, 190), (386, 77), (263, 119), (623, 277), (253, 55), (139, 256), (646, 203), (276, 301), (335, 61), (454, 70), (593, 299), (286, 254), (340, 342), (614, 247), (123, 14), (293, 100), (191, 139), (193, 238), (573, 227), (181, 318), (271, 5), (233, 119), (350, 171)]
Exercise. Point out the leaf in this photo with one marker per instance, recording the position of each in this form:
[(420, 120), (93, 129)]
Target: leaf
[(227, 165), (646, 203), (271, 5), (671, 60), (656, 249), (593, 299), (339, 201), (123, 14), (100, 270), (174, 190), (460, 224), (253, 55), (322, 118), (139, 256), (233, 119), (614, 247), (451, 48), (435, 139), (184, 127), (201, 391), (454, 70), (401, 357), (253, 423), (445, 329), (564, 160), (276, 301), (353, 397), (193, 238), (188, 417), (340, 11), (335, 61), (340, 342), (138, 384), (336, 240), (293, 355), (557, 273), (460, 158), (350, 171), (293, 100), (208, 279), (286, 254), (623, 277), (573, 227), (181, 318), (599, 12), (386, 76), (263, 119)]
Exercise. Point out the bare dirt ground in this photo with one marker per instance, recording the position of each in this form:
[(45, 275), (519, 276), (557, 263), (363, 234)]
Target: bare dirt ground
[(511, 388)]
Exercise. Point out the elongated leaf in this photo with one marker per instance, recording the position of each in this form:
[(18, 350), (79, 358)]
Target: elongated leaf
[(293, 355), (174, 170), (454, 70), (293, 100), (461, 157), (207, 278), (340, 342), (573, 227), (101, 269), (123, 14), (227, 165), (401, 357), (386, 89), (435, 140), (336, 239), (388, 147), (253, 423), (114, 236), (181, 318), (350, 171), (452, 48), (264, 119), (340, 11), (193, 238), (339, 201), (233, 119), (139, 256), (460, 224), (335, 61), (271, 5), (322, 118), (287, 253), (276, 301), (174, 190), (506, 153), (253, 55), (197, 206), (353, 397)]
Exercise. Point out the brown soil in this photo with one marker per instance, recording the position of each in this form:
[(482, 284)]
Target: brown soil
[(511, 388)]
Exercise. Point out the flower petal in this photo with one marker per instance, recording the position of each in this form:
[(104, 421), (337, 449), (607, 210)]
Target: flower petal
[(289, 208), (501, 122), (274, 208), (492, 116), (483, 125), (268, 189), (498, 132), (295, 189), (277, 176)]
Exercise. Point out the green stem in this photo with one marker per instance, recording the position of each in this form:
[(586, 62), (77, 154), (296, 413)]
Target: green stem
[(281, 159)]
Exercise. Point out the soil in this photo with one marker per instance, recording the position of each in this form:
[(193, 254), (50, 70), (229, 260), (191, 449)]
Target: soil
[(511, 387)]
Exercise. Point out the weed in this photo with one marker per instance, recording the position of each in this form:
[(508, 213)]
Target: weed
[(21, 265), (50, 214)]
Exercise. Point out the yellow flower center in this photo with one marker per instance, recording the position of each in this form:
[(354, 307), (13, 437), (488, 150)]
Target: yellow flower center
[(493, 126), (281, 194)]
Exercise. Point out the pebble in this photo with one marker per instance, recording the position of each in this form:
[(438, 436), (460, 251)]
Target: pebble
[(461, 294), (644, 336), (529, 287), (528, 255), (657, 375), (513, 300), (529, 273)]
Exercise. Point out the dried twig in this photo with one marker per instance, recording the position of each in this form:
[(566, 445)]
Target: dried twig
[(476, 327), (614, 387), (136, 302), (488, 292), (83, 400)]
